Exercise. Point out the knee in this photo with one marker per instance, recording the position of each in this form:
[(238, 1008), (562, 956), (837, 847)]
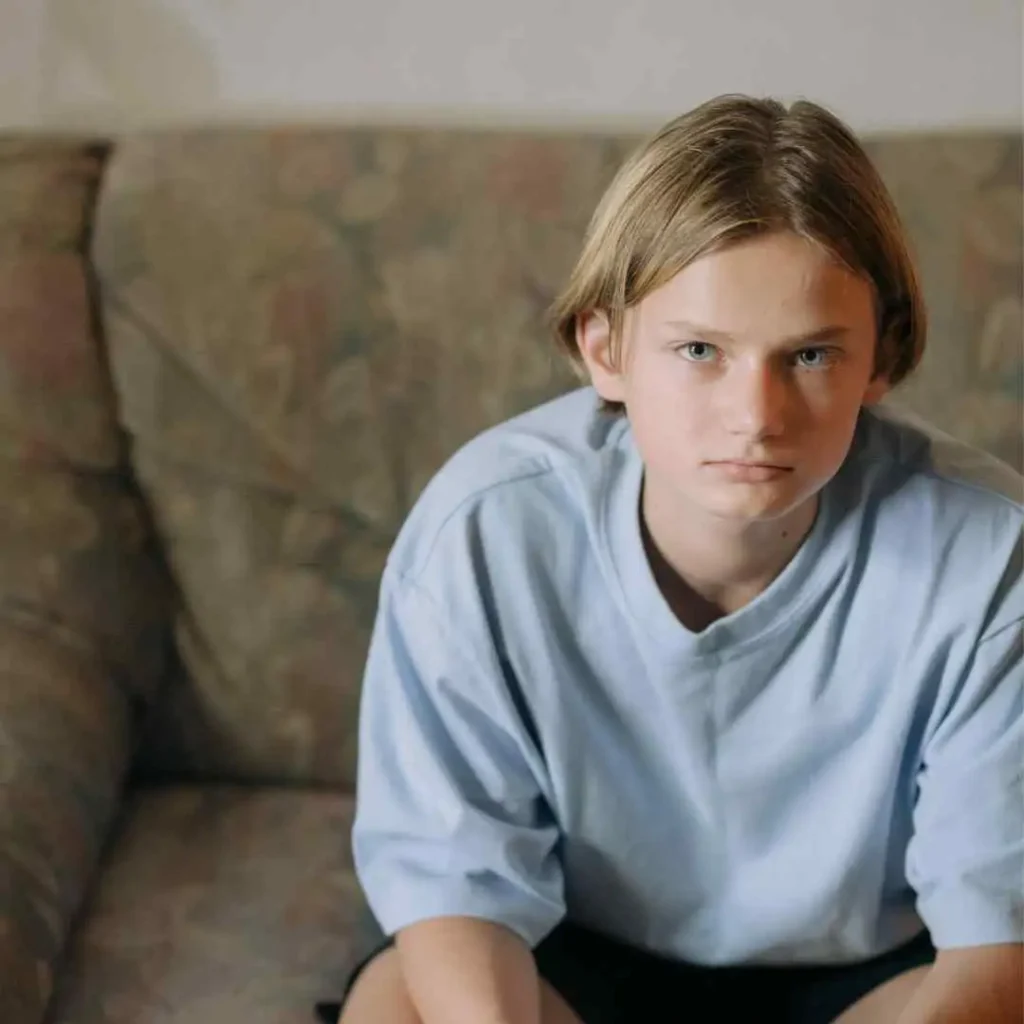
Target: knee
[(380, 995)]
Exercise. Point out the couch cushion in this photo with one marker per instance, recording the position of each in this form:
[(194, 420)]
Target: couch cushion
[(303, 326), (960, 195), (217, 905)]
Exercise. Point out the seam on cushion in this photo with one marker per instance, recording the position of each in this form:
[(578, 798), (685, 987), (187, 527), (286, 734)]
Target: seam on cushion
[(124, 308)]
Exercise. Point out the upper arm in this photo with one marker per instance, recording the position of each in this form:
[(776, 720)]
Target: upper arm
[(451, 819), (966, 857)]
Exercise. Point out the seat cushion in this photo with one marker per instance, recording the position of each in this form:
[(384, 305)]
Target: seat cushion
[(217, 905)]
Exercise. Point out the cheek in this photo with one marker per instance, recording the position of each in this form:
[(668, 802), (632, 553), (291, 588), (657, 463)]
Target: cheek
[(829, 436), (831, 402), (669, 421), (662, 381), (839, 397)]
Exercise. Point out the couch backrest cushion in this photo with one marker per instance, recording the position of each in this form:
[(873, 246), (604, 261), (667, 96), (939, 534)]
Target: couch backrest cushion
[(304, 324), (961, 198)]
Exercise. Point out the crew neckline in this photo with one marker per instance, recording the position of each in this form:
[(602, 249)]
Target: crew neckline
[(803, 577)]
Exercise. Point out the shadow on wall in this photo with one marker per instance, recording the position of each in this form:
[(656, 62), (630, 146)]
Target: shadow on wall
[(115, 64)]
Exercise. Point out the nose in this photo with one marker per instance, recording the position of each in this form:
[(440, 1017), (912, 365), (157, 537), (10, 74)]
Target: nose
[(755, 398)]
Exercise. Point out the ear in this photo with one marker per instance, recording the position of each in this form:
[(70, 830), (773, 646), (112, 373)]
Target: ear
[(878, 387), (594, 341)]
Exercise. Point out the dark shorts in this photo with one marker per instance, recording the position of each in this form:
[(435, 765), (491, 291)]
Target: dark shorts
[(607, 982)]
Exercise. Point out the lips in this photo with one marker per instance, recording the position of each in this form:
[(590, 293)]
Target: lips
[(751, 464), (751, 472)]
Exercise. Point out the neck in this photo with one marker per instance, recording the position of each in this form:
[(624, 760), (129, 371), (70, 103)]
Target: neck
[(714, 566)]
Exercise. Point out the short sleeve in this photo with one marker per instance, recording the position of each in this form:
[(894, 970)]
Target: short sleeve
[(966, 858), (450, 816)]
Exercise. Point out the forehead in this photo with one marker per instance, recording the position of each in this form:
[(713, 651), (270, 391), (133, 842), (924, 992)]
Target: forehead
[(763, 281)]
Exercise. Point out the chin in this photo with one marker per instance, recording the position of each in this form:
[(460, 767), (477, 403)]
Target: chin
[(757, 505)]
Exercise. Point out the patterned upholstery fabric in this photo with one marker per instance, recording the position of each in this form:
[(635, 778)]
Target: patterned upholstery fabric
[(299, 327), (302, 327), (219, 905), (81, 617), (961, 200)]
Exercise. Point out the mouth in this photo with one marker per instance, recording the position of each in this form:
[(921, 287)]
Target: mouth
[(754, 472), (751, 463)]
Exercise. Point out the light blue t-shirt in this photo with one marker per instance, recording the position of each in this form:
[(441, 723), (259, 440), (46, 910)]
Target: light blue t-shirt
[(808, 779)]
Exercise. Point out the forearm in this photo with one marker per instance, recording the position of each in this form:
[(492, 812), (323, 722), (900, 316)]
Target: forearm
[(463, 970), (971, 986)]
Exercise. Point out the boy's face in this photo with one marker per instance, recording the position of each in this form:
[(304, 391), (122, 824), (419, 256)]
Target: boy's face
[(743, 376)]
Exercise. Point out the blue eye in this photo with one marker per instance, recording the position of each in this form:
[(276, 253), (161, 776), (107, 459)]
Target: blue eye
[(698, 351), (814, 358)]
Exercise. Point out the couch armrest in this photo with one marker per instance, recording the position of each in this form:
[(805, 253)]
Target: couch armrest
[(82, 588), (82, 645), (64, 741)]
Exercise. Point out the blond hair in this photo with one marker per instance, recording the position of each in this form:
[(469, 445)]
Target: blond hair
[(734, 168)]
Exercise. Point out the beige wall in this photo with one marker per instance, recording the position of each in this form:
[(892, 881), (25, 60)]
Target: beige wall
[(880, 63)]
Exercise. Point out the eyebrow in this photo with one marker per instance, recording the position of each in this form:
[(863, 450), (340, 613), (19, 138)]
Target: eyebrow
[(829, 333)]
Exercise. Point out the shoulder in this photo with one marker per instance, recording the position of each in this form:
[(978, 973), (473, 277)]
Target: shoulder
[(941, 511), (904, 456), (538, 471)]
